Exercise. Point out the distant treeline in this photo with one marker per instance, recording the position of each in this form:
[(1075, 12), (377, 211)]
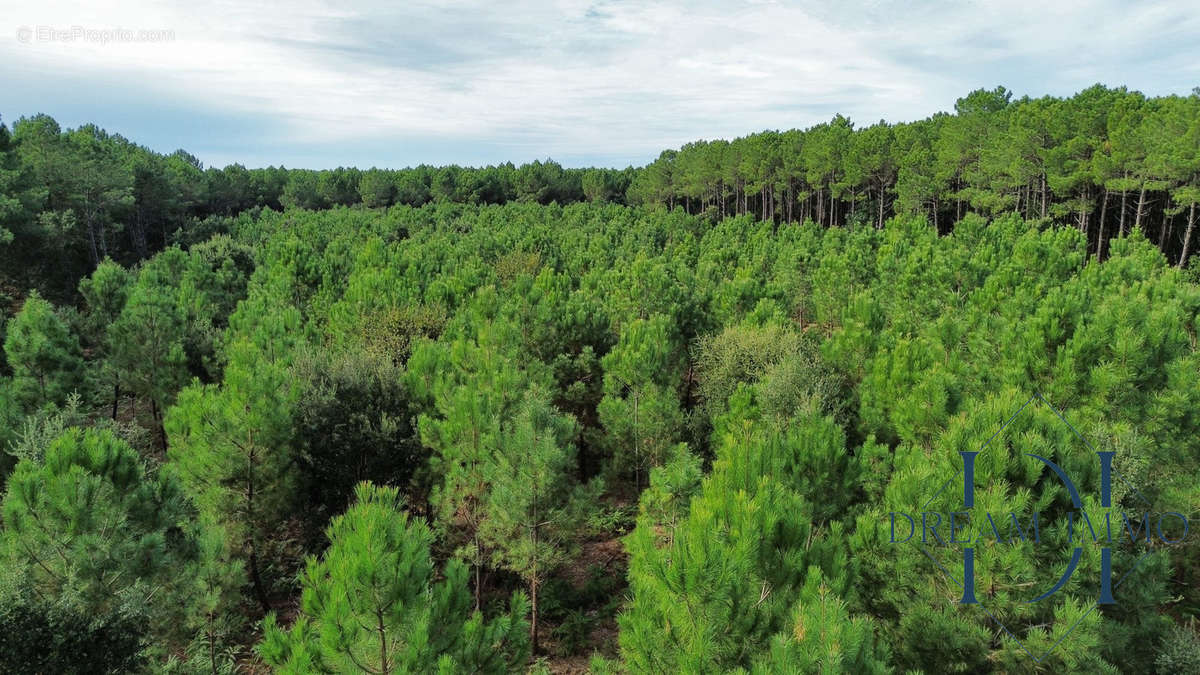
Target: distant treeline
[(69, 199), (1104, 161)]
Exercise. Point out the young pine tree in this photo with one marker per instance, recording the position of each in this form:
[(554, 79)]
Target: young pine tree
[(44, 355), (823, 638), (105, 293), (640, 410), (232, 446), (371, 604), (533, 509), (145, 344), (216, 578), (710, 595), (89, 531), (473, 385)]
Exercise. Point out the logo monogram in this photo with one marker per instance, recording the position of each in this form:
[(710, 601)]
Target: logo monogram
[(968, 596), (958, 526)]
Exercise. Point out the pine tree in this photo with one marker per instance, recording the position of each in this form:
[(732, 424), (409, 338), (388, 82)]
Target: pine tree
[(823, 637), (213, 613), (88, 528), (532, 511), (146, 344), (232, 446), (640, 409), (44, 355), (105, 293), (14, 211), (473, 385), (711, 597), (371, 604)]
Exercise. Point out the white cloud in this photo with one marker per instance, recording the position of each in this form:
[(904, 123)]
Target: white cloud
[(608, 79)]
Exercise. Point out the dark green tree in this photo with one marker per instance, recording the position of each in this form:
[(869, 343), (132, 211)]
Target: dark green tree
[(43, 353), (372, 604)]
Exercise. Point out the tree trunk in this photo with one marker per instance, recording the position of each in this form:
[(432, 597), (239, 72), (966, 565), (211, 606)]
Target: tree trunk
[(212, 645), (1121, 231), (93, 251), (1187, 236), (162, 431), (137, 234), (534, 580), (1100, 235), (1137, 220), (1043, 195), (881, 207), (637, 453), (259, 593), (255, 578), (103, 241), (533, 622), (384, 669), (478, 573), (116, 398)]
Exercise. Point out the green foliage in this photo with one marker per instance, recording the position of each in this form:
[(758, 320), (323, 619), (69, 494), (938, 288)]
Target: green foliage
[(353, 421), (37, 432), (233, 448), (664, 504), (146, 341), (105, 293), (473, 385), (94, 535), (44, 355), (371, 604), (213, 616), (825, 316), (791, 375), (712, 595), (40, 638), (1180, 652), (823, 637), (10, 420), (640, 410), (740, 355), (532, 511)]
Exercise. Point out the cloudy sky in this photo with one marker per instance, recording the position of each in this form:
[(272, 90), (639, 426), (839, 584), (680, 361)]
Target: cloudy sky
[(312, 83)]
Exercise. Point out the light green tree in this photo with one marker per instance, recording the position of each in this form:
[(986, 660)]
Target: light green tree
[(105, 293)]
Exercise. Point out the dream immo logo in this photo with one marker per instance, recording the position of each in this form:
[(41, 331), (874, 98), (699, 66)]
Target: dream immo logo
[(970, 528)]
